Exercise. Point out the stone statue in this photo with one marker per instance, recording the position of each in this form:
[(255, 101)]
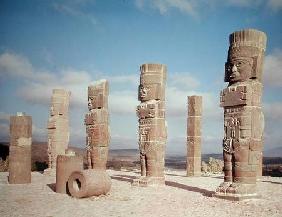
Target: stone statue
[(243, 117), (58, 126), (152, 124), (194, 136), (97, 126)]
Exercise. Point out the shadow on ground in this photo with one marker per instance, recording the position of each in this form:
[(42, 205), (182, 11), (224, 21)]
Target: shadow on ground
[(52, 186), (125, 178), (190, 188)]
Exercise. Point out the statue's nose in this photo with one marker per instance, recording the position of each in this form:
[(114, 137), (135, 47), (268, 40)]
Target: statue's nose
[(234, 68)]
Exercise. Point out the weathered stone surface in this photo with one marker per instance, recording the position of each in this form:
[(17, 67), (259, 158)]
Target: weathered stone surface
[(58, 126), (89, 183), (66, 164), (194, 136), (97, 125), (213, 166), (20, 149), (152, 124), (243, 117)]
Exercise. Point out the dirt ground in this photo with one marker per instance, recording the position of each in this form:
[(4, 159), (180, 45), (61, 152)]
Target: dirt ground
[(181, 196)]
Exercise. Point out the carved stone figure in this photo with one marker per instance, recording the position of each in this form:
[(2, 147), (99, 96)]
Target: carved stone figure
[(152, 124), (58, 126), (97, 126), (20, 149), (243, 117), (194, 136)]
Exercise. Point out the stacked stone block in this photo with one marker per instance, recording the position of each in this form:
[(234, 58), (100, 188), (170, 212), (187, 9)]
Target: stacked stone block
[(20, 149), (243, 117), (152, 124), (194, 135), (58, 126), (97, 125)]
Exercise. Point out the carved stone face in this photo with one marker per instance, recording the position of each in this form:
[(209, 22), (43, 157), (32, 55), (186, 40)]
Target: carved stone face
[(143, 91), (91, 102), (150, 92), (239, 69)]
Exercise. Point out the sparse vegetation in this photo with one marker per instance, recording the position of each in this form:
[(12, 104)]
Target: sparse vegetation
[(4, 165)]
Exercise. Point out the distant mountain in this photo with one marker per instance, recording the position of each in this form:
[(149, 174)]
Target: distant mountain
[(39, 153)]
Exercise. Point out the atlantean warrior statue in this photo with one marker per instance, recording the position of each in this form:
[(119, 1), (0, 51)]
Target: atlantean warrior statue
[(152, 124), (97, 125), (194, 136), (243, 117), (58, 126)]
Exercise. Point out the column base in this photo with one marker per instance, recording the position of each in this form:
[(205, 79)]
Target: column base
[(145, 181), (50, 172), (194, 174), (236, 191), (236, 197)]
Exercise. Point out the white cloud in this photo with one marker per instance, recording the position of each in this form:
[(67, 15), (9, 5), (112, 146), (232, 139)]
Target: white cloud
[(273, 111), (76, 9), (185, 6), (4, 116), (123, 102), (183, 81), (15, 66), (272, 69), (275, 5), (244, 3)]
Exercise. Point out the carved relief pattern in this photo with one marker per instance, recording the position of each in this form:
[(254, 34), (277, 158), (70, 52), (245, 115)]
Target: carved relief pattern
[(58, 126), (152, 124), (243, 117), (97, 125)]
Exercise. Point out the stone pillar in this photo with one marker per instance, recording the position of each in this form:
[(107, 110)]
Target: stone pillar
[(20, 149), (152, 124), (58, 126), (97, 126), (243, 117), (66, 164), (194, 136)]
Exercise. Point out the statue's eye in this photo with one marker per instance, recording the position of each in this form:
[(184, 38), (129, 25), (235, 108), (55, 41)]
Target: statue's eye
[(239, 63)]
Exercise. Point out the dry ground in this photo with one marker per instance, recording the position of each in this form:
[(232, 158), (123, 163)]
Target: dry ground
[(182, 196)]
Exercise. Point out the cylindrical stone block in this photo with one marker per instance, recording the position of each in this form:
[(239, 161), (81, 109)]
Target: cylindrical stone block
[(89, 183), (20, 149), (66, 164)]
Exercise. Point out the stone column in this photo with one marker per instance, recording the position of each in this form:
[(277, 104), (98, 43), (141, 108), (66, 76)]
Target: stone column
[(194, 136), (152, 124), (243, 117), (20, 149), (58, 126), (97, 125)]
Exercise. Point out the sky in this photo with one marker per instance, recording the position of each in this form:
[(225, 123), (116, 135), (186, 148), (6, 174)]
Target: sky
[(71, 44)]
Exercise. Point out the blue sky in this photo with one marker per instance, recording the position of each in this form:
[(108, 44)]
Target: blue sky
[(70, 44)]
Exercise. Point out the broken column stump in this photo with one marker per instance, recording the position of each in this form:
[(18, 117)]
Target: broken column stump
[(66, 164), (88, 183)]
